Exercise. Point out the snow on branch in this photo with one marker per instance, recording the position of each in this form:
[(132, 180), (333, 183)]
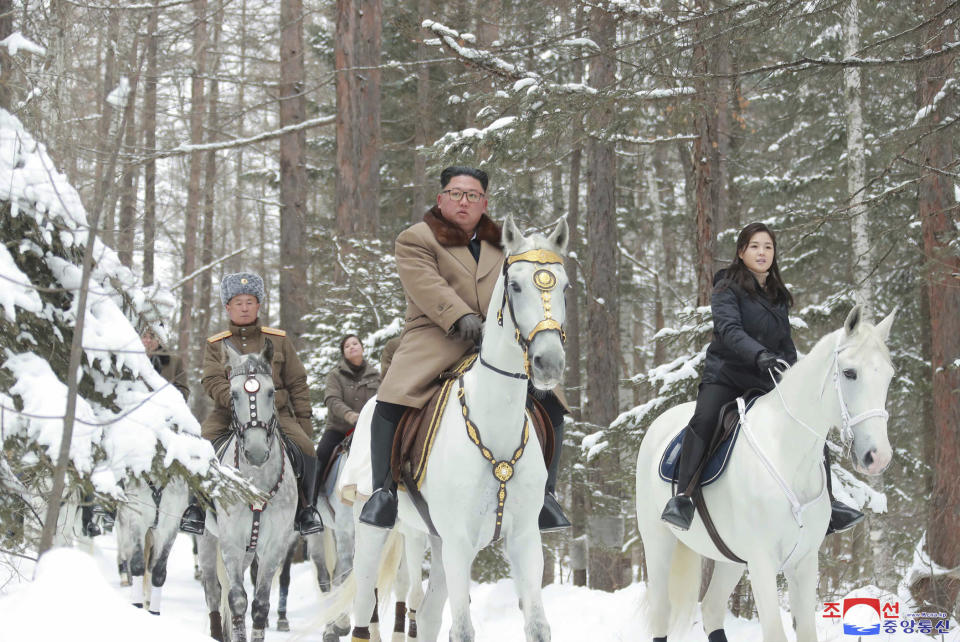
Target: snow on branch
[(15, 42)]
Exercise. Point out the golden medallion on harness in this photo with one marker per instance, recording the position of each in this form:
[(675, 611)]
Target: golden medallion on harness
[(503, 471), (544, 279)]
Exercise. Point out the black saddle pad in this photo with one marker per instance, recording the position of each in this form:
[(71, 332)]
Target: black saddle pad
[(717, 462)]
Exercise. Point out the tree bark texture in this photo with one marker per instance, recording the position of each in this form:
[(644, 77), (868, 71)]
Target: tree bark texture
[(126, 230), (420, 133), (103, 174), (192, 213), (293, 171), (940, 227), (357, 60), (705, 158), (605, 526), (204, 284), (150, 146), (6, 69)]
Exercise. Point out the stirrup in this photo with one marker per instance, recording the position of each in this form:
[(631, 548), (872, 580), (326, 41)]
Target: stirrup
[(103, 519), (679, 512), (308, 521), (90, 529), (381, 509), (193, 520)]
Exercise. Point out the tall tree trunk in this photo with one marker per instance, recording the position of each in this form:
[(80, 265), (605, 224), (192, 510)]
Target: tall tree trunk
[(210, 185), (940, 227), (420, 127), (126, 230), (103, 175), (6, 69), (357, 54), (606, 521), (234, 263), (704, 158), (150, 146), (192, 214), (293, 171)]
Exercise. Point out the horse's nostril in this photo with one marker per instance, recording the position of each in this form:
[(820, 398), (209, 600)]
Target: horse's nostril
[(868, 458), (538, 361)]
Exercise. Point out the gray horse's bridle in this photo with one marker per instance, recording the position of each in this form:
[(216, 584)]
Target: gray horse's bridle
[(546, 282), (251, 386)]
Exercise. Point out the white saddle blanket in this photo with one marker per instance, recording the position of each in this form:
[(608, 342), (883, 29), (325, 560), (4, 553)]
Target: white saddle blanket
[(356, 480)]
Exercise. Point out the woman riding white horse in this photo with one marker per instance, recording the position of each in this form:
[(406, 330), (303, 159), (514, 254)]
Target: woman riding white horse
[(771, 506), (485, 477)]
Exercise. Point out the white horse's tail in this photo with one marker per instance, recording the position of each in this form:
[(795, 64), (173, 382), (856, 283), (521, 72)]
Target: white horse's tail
[(683, 587), (340, 599), (329, 550)]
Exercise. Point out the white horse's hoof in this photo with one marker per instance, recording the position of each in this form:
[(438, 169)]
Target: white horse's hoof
[(283, 624), (258, 635)]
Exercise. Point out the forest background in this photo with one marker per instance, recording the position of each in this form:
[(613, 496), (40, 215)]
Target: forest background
[(296, 138)]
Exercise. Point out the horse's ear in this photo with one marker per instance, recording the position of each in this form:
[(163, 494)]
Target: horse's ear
[(853, 320), (511, 234), (267, 354), (560, 236), (232, 355), (884, 326)]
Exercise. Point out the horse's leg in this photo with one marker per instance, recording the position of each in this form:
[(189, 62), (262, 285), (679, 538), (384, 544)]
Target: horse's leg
[(207, 558), (237, 596), (366, 563), (430, 614), (270, 563), (343, 535), (283, 624), (457, 559), (401, 587), (714, 606), (322, 541), (196, 559), (525, 552), (658, 546), (162, 543), (763, 578), (414, 544), (802, 584), (137, 562)]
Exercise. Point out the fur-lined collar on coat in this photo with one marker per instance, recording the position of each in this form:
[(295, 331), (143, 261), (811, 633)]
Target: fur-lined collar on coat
[(450, 235)]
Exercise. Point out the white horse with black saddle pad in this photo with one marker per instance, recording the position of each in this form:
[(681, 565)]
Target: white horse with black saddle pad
[(486, 475), (770, 507), (263, 529), (147, 525)]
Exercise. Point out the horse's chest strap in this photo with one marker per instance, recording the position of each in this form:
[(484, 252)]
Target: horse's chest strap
[(258, 508), (157, 493), (502, 469)]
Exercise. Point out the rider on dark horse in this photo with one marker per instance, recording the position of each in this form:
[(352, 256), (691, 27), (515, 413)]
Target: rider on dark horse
[(449, 265), (241, 295)]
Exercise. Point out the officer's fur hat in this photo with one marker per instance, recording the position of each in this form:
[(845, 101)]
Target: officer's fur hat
[(241, 283)]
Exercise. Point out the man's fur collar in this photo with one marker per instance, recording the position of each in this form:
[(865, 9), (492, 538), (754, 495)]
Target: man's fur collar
[(449, 235)]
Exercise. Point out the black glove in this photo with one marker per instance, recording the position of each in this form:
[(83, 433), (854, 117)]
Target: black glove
[(469, 327), (767, 360)]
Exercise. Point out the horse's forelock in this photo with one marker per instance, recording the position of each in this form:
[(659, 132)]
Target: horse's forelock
[(535, 241)]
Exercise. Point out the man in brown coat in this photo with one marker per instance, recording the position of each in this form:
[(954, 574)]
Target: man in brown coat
[(448, 265), (241, 295)]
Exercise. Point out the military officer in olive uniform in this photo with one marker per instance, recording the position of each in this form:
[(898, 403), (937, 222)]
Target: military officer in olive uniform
[(241, 295)]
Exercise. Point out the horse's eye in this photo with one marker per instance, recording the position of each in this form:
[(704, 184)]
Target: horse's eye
[(850, 373), (270, 394), (515, 286)]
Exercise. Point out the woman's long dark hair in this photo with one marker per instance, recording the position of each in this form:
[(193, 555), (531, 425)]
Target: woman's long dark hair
[(774, 288), (343, 341)]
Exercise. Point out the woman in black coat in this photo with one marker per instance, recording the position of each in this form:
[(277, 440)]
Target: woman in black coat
[(751, 344)]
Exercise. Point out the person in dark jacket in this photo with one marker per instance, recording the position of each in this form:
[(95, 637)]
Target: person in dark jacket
[(349, 386), (751, 344), (165, 362)]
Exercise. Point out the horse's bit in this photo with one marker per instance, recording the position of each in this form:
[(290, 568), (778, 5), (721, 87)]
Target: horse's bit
[(546, 282)]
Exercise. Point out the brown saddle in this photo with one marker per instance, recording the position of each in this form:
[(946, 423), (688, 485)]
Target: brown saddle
[(418, 428)]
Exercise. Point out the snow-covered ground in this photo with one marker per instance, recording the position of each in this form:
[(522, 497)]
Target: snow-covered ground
[(77, 596)]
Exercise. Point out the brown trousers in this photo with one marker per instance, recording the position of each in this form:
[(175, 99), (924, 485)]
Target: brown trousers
[(218, 424)]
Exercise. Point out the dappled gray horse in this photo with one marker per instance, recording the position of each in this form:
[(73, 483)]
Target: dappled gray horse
[(262, 529)]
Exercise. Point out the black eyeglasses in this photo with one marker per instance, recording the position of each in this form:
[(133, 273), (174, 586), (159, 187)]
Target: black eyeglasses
[(456, 194)]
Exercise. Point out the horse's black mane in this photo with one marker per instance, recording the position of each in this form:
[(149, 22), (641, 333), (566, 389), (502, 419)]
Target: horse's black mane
[(252, 365)]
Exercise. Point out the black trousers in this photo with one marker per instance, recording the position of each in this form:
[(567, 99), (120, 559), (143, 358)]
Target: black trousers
[(328, 441), (711, 397)]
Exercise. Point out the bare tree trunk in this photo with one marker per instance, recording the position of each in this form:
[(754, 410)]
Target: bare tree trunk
[(704, 160), (233, 265), (128, 190), (653, 198), (6, 68), (210, 185), (150, 145), (185, 342), (606, 522), (940, 226), (357, 53), (104, 178), (420, 127), (293, 171)]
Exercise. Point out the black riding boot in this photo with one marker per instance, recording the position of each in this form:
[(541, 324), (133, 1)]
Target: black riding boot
[(680, 509), (90, 527), (842, 517), (194, 517), (381, 509), (551, 515), (308, 519)]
